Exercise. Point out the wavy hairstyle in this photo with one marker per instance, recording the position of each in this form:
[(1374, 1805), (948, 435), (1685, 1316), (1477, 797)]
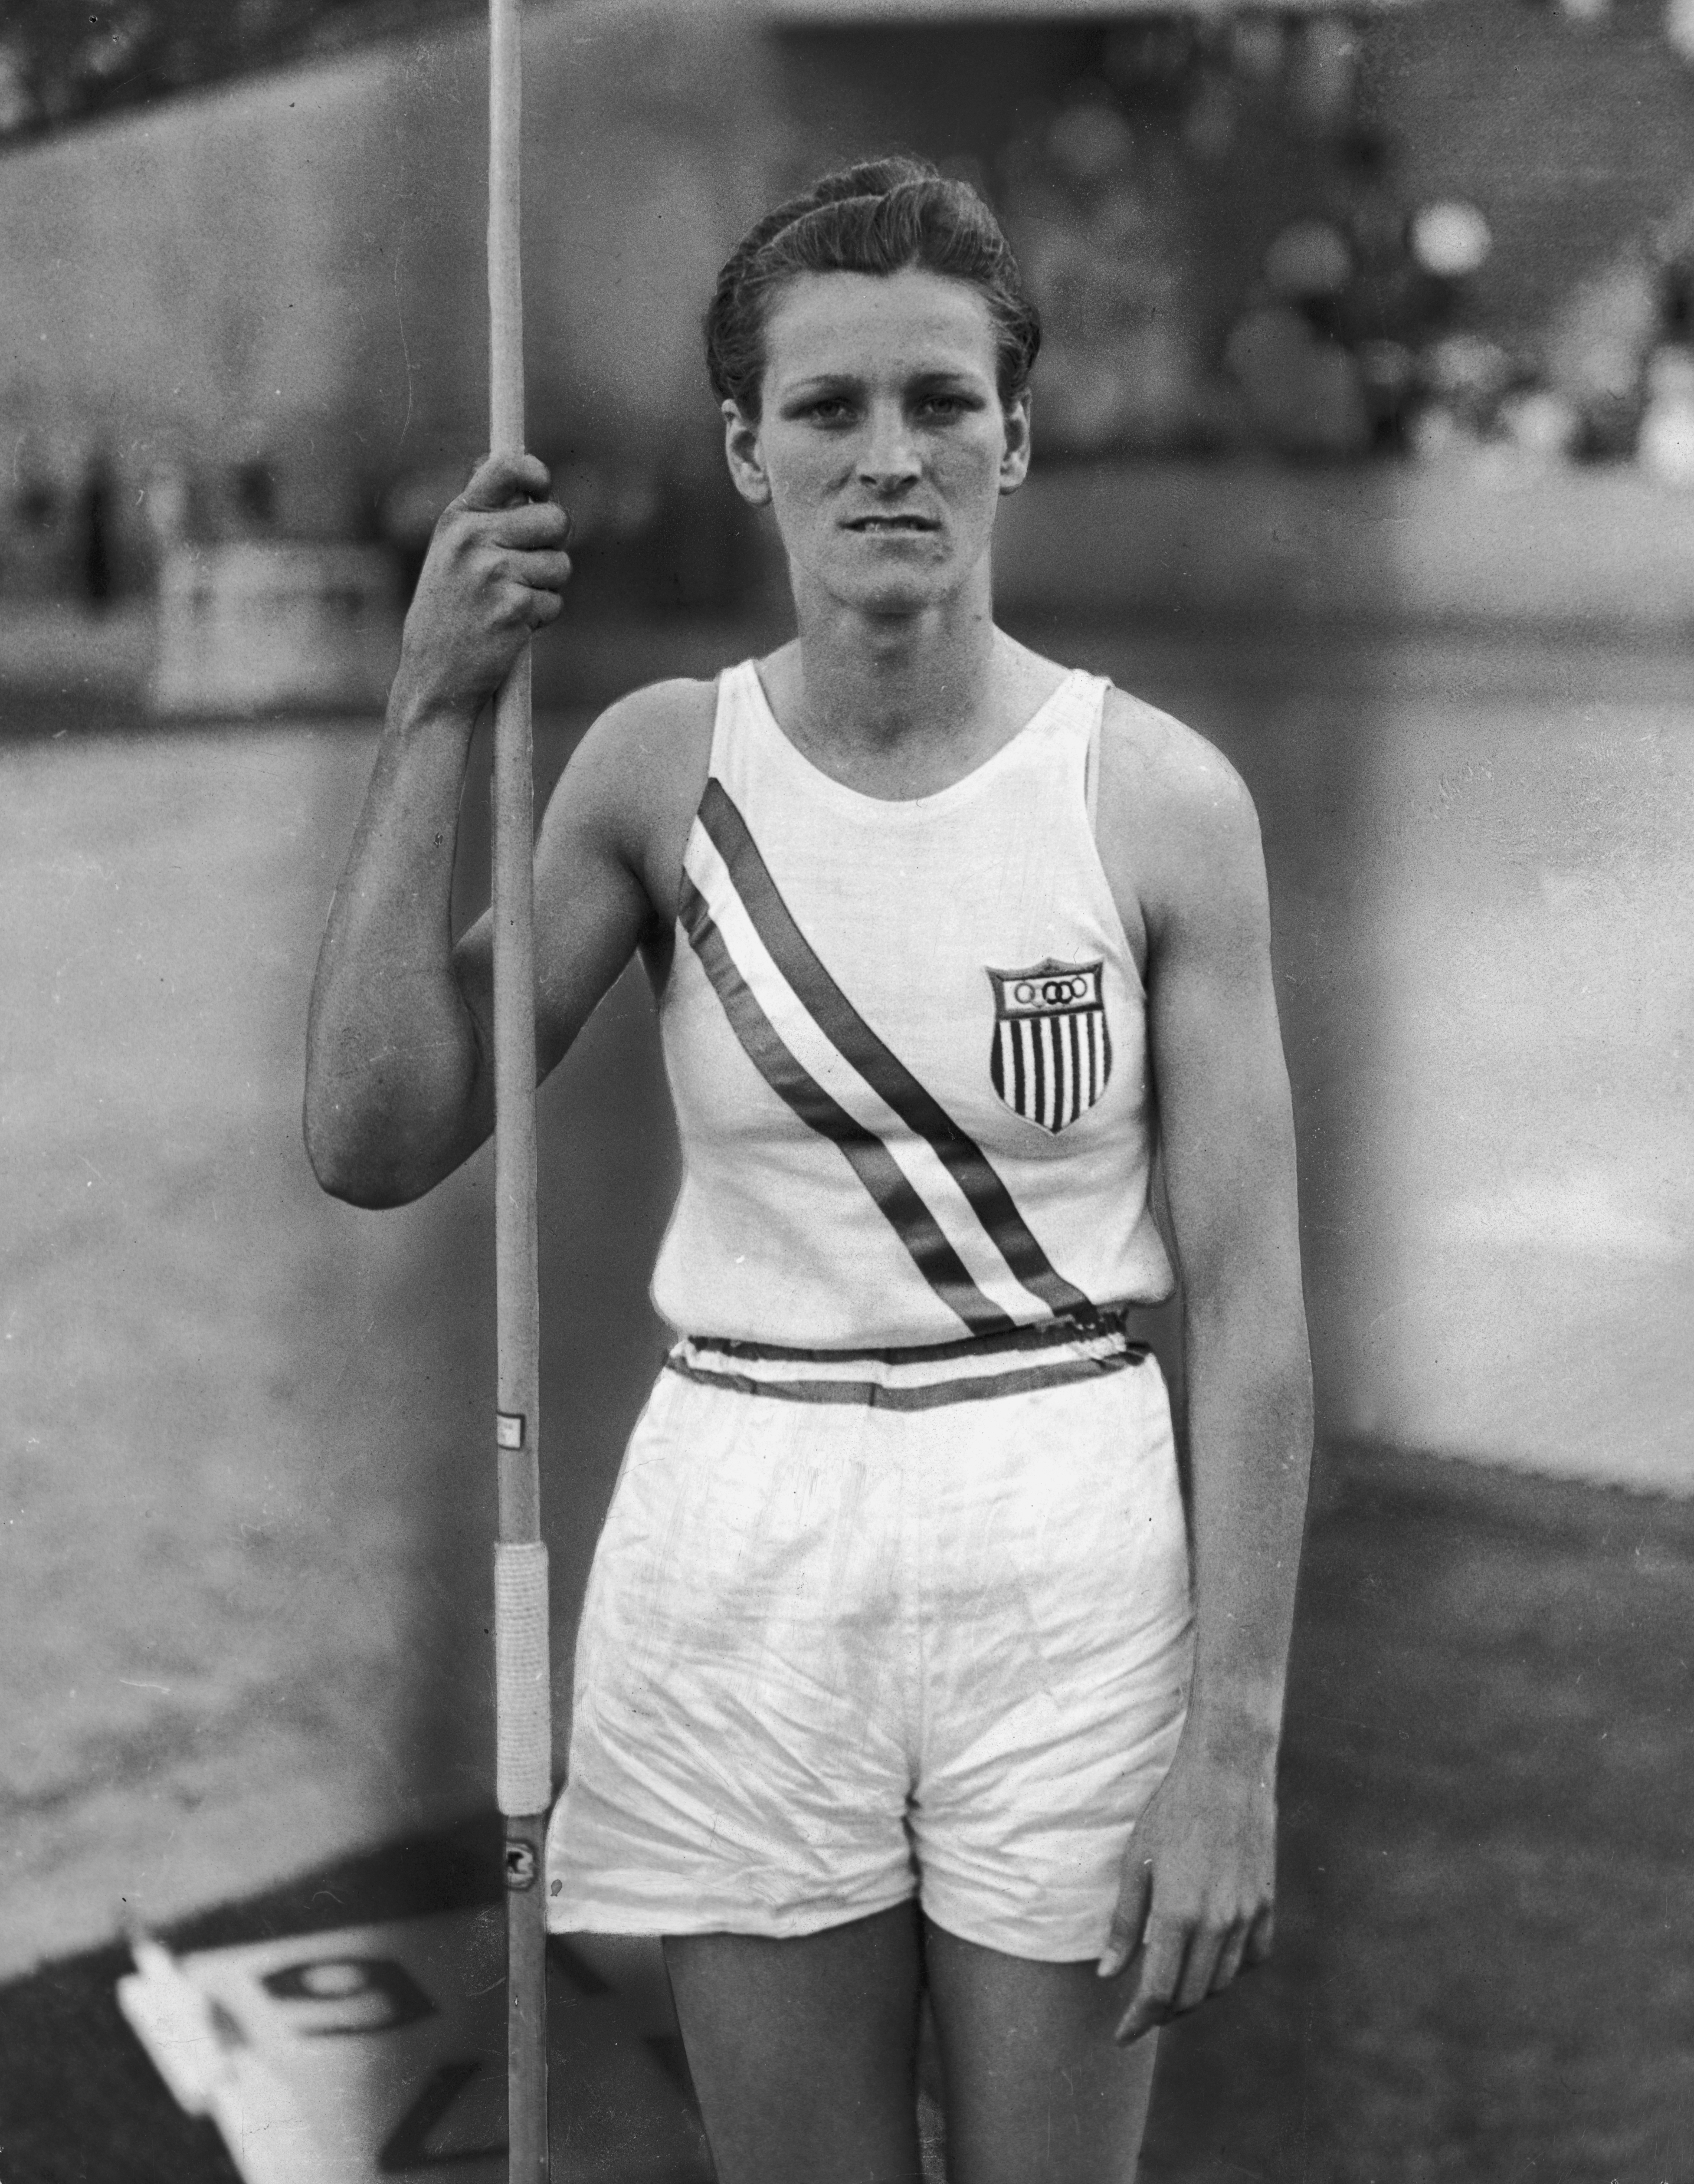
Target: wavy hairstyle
[(880, 217)]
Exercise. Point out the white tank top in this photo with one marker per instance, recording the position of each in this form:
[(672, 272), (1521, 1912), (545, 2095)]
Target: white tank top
[(907, 1046)]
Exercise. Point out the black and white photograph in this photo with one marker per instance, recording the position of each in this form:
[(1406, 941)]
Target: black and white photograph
[(847, 1091)]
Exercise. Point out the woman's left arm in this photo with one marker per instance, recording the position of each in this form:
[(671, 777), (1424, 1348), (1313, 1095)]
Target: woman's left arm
[(1181, 844)]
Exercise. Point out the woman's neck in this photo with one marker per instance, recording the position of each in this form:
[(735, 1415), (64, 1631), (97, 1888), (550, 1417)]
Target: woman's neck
[(900, 706)]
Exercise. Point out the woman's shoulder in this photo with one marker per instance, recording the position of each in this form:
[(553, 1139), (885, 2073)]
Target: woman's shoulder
[(1173, 813), (634, 781), (651, 738), (1156, 765), (657, 717)]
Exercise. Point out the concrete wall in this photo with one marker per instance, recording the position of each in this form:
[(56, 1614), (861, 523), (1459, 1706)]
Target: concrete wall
[(294, 267)]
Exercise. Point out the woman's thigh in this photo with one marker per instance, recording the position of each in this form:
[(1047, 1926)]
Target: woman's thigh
[(802, 2052), (1037, 2090)]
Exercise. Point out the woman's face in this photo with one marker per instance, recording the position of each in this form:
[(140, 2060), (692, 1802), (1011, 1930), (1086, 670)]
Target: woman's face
[(882, 444)]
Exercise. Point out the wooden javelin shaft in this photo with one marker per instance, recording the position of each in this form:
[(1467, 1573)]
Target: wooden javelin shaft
[(522, 1695)]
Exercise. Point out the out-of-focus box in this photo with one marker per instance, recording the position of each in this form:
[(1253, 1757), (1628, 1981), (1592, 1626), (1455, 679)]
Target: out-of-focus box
[(275, 626)]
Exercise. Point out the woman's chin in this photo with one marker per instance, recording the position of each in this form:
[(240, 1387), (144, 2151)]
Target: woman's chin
[(898, 599), (894, 590)]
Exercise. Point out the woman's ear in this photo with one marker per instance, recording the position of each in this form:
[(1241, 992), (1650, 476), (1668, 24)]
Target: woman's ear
[(745, 458), (1014, 462)]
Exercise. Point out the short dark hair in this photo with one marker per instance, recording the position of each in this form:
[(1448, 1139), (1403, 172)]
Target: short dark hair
[(880, 217)]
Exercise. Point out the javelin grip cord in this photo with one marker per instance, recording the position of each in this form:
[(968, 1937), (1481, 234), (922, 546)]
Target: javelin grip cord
[(523, 1711)]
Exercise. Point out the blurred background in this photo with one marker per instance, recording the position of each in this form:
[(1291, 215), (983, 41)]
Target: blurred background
[(1365, 433)]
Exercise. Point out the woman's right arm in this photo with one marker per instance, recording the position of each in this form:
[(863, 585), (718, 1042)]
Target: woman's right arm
[(398, 1084)]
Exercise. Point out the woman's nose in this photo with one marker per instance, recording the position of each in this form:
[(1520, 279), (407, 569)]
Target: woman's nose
[(889, 452)]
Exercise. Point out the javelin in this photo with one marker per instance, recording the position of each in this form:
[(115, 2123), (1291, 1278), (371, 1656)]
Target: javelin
[(523, 1702)]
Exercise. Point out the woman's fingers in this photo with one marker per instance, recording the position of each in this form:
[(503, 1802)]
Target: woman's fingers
[(531, 525), (1261, 1937), (1158, 1977), (493, 578), (1231, 1957), (542, 572), (543, 608), (1207, 1945), (530, 586), (1247, 1943), (468, 537), (1184, 1959), (503, 509), (499, 480), (1130, 1918)]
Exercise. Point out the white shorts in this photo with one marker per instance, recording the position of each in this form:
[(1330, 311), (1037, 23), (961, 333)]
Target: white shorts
[(860, 1630)]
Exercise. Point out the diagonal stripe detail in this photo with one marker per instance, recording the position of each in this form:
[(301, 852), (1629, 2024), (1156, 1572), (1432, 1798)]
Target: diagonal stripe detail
[(869, 1158), (883, 1070)]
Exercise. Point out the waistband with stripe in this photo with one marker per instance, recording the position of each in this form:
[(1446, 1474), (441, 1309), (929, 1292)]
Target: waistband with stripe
[(1070, 1347)]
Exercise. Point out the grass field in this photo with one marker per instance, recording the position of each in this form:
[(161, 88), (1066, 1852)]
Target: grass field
[(243, 1566)]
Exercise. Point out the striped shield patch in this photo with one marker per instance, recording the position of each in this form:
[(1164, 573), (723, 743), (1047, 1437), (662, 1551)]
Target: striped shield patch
[(1052, 1054)]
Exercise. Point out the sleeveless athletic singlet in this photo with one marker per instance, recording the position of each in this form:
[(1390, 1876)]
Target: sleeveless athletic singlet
[(906, 1042)]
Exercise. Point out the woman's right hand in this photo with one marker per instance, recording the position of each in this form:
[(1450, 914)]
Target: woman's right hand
[(494, 575)]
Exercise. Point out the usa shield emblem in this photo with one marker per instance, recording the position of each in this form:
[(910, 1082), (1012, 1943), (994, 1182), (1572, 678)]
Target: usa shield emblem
[(1052, 1053)]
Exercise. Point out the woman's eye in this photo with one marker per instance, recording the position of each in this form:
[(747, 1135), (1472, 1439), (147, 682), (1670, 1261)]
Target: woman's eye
[(942, 405), (830, 411)]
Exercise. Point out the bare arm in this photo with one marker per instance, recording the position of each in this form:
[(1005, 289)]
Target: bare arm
[(397, 1090), (1198, 1887)]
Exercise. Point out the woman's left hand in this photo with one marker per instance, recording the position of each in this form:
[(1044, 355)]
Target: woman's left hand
[(1195, 1906)]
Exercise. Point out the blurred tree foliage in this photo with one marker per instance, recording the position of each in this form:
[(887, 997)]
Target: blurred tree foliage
[(65, 61)]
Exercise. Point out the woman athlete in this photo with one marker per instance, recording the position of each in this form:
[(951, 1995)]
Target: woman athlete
[(892, 1671)]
